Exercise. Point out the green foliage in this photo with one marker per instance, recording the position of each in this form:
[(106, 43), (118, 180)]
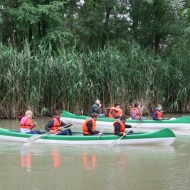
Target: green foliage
[(44, 111), (186, 12), (35, 21), (73, 80), (62, 54)]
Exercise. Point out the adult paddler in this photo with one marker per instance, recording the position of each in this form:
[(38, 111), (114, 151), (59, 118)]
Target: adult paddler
[(115, 111), (89, 126), (120, 126)]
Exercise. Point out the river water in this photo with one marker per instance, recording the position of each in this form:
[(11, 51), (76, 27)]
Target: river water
[(47, 167)]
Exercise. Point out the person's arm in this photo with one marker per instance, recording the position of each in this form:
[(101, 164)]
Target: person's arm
[(27, 121), (89, 125), (117, 130), (64, 124), (32, 126), (128, 126), (155, 116), (114, 114), (96, 109), (49, 125)]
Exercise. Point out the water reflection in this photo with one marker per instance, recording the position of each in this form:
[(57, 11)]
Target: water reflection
[(26, 159), (28, 153), (80, 167), (56, 158), (120, 162), (87, 157), (89, 160), (119, 167)]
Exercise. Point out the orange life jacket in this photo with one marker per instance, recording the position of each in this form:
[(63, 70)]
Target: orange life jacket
[(118, 111), (27, 124), (56, 125), (137, 112), (122, 126), (159, 114), (85, 127)]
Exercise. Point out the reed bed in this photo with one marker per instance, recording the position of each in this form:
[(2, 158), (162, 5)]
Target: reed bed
[(44, 80)]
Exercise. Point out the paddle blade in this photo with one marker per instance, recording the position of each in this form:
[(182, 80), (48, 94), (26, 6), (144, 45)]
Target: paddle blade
[(33, 138)]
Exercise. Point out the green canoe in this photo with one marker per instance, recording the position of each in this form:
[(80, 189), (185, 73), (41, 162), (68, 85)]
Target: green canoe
[(178, 125), (160, 137)]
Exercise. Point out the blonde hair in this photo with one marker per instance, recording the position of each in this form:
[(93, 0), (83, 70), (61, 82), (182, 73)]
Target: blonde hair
[(28, 113)]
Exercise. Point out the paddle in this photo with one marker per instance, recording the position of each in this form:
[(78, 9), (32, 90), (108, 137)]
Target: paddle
[(101, 133), (114, 142), (36, 125), (36, 137)]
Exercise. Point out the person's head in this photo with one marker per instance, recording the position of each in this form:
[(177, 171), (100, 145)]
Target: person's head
[(28, 113), (123, 118), (98, 102), (159, 107), (58, 113), (136, 105), (94, 115), (117, 104)]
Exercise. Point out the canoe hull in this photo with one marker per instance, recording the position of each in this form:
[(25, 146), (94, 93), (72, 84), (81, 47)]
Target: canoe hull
[(162, 137), (154, 141), (180, 126)]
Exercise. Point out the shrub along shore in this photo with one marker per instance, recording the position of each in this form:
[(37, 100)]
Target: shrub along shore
[(44, 80)]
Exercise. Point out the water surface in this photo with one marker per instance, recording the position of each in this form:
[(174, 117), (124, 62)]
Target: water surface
[(47, 167)]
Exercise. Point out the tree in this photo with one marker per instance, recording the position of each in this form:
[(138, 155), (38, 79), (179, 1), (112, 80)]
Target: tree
[(33, 21), (155, 22)]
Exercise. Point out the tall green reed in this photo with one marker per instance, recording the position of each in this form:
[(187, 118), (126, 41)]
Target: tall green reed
[(42, 78)]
